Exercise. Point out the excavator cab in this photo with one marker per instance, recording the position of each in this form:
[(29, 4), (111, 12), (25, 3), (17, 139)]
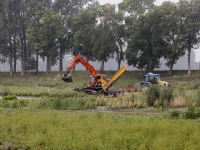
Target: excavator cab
[(95, 81)]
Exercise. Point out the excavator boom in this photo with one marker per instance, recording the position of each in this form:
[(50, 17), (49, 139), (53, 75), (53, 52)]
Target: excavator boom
[(67, 76), (118, 75)]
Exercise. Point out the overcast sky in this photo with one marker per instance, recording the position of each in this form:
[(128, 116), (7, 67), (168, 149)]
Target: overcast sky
[(158, 2)]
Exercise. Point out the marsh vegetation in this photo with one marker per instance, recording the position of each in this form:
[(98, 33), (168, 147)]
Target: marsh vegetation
[(158, 118)]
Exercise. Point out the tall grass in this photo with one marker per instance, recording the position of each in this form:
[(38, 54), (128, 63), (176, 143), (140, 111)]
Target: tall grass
[(14, 103), (57, 130), (88, 102), (160, 96)]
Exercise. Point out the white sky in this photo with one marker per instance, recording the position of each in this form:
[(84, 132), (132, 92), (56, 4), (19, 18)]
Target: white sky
[(158, 2)]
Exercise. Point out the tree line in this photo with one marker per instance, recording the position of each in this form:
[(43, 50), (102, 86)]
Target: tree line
[(137, 31)]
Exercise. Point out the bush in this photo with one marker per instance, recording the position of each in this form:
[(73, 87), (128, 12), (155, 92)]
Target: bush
[(166, 95), (175, 114), (198, 98), (10, 97), (162, 94), (14, 103), (191, 113), (153, 94), (6, 91)]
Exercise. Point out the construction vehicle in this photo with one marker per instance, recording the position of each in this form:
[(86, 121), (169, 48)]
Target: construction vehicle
[(153, 79), (99, 84)]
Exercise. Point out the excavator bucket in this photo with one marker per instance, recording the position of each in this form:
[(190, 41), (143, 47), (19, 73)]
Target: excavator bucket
[(67, 78)]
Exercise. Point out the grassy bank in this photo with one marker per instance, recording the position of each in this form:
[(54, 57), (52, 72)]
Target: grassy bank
[(37, 82), (22, 129)]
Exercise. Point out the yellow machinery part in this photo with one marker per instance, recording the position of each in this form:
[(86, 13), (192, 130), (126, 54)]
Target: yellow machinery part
[(163, 83), (119, 74)]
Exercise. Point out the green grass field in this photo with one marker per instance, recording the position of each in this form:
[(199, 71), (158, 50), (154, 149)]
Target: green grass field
[(71, 120), (26, 129)]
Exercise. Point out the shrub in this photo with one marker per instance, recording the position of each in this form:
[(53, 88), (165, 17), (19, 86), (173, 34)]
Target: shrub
[(198, 98), (166, 95), (175, 114), (10, 97), (152, 93), (6, 91), (191, 113)]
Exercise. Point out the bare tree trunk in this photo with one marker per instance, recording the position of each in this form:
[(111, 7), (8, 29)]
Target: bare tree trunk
[(102, 66), (120, 56), (24, 39), (61, 54), (11, 66), (22, 55), (148, 66), (15, 59), (36, 65), (88, 62), (22, 64), (119, 64), (189, 66), (47, 67), (170, 71)]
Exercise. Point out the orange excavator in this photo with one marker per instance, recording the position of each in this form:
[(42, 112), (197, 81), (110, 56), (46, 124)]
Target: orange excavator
[(98, 82), (95, 79)]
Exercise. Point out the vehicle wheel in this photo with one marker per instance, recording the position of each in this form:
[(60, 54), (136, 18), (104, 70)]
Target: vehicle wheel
[(111, 93), (144, 87), (119, 93)]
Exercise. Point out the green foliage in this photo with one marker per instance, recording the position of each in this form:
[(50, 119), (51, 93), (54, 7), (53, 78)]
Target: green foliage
[(10, 97), (166, 94), (14, 103), (83, 130), (104, 43), (136, 7), (5, 91), (175, 114), (171, 27), (81, 39), (193, 86), (192, 113), (163, 95), (146, 46), (152, 94)]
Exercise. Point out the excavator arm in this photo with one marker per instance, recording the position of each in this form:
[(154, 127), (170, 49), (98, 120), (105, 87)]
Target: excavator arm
[(67, 76)]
